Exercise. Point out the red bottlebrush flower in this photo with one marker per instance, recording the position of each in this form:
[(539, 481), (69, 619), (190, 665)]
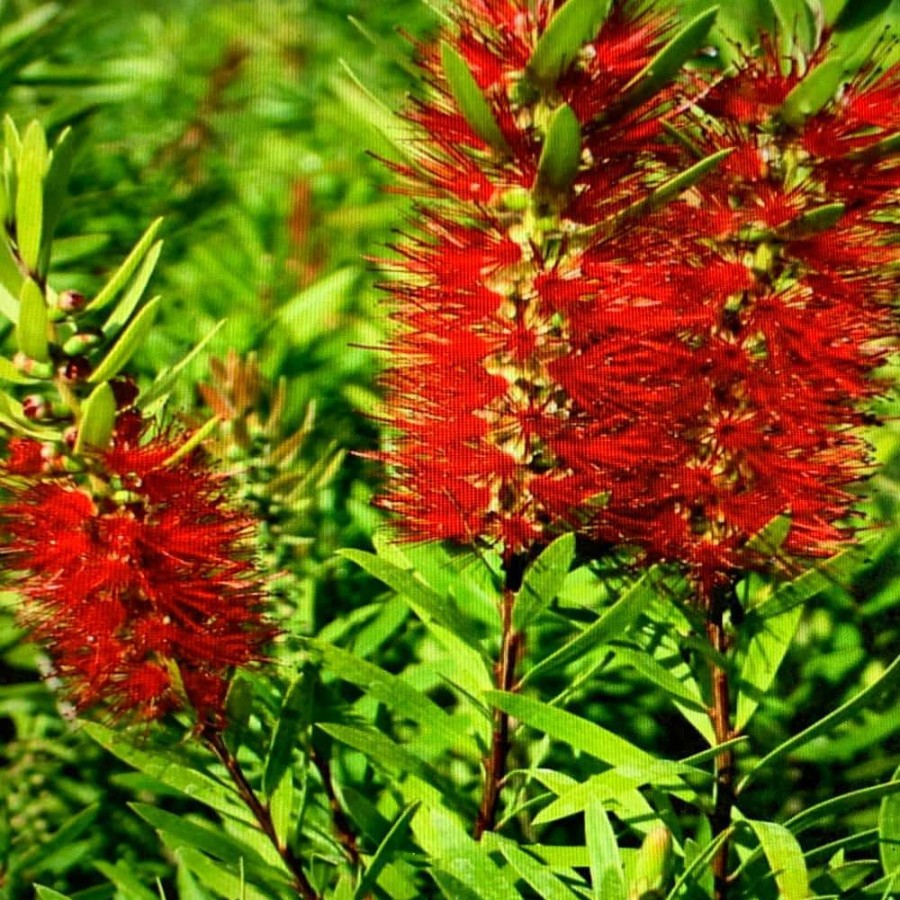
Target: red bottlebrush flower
[(778, 371), (142, 593), (521, 333), (676, 377)]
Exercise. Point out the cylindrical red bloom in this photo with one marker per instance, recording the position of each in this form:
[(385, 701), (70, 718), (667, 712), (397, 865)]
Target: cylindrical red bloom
[(576, 351), (143, 593), (522, 325)]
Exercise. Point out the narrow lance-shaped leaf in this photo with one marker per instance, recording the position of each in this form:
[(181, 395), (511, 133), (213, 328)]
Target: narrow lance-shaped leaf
[(561, 153), (293, 719), (607, 874), (394, 842), (31, 330), (543, 580), (98, 417), (889, 833), (55, 185), (120, 278), (813, 92), (785, 859), (30, 196), (130, 299), (571, 27), (765, 652), (668, 62), (472, 104), (126, 346), (654, 864)]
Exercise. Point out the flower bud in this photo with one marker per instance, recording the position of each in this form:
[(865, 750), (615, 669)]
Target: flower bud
[(36, 408), (651, 873), (71, 301)]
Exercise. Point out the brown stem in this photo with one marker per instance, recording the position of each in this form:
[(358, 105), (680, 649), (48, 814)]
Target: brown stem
[(505, 679), (214, 740), (720, 716), (341, 824)]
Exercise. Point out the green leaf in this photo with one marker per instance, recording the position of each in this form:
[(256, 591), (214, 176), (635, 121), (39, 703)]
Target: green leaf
[(889, 832), (670, 189), (607, 873), (395, 693), (182, 832), (616, 791), (534, 872), (169, 769), (560, 155), (394, 841), (668, 62), (127, 885), (45, 893), (837, 805), (120, 278), (813, 93), (294, 718), (843, 713), (655, 672), (126, 346), (307, 315), (427, 601), (798, 25), (218, 877), (442, 836), (31, 330), (698, 864), (785, 859), (55, 185), (579, 733), (30, 195), (471, 102), (571, 27), (392, 758), (543, 580), (98, 418), (130, 299), (68, 832), (769, 539), (766, 650), (611, 624)]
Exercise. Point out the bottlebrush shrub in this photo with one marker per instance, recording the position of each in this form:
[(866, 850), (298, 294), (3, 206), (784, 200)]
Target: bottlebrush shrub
[(137, 581), (601, 329)]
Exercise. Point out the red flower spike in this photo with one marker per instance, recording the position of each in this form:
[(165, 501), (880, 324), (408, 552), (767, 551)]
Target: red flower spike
[(144, 597), (494, 302), (674, 379)]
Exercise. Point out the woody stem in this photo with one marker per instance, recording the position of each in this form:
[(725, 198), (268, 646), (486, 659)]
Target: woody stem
[(505, 680), (216, 743), (720, 717)]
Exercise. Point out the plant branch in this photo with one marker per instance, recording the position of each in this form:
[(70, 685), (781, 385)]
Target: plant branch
[(720, 716), (505, 680), (216, 743)]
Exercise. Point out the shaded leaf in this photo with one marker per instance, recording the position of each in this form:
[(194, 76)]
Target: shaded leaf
[(393, 842), (611, 624), (543, 580), (889, 832), (845, 711), (785, 859), (607, 872)]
